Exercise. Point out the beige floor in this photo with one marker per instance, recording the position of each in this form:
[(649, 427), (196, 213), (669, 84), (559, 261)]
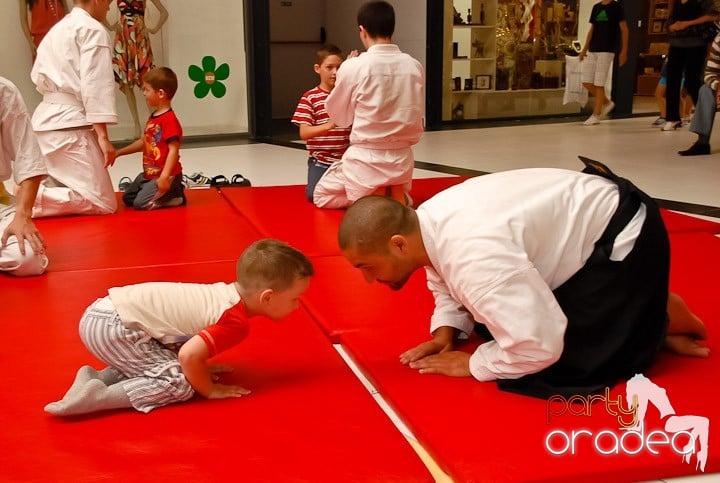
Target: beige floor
[(631, 147)]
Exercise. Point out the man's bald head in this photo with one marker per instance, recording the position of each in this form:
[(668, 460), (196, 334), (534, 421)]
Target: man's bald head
[(371, 221)]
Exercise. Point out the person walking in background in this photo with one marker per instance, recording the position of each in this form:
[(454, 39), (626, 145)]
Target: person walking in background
[(687, 24), (686, 105), (702, 121), (607, 20)]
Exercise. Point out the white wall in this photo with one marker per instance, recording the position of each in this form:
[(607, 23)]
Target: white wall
[(295, 38), (410, 25), (191, 32), (194, 30), (291, 64)]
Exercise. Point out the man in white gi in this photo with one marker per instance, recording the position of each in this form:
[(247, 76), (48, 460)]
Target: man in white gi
[(73, 72), (565, 273), (22, 249), (381, 93)]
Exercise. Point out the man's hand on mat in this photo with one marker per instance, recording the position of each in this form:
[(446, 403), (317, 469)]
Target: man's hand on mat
[(221, 391), (450, 363), (442, 341), (425, 349)]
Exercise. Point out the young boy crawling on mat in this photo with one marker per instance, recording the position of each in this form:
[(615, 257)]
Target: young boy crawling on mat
[(135, 328)]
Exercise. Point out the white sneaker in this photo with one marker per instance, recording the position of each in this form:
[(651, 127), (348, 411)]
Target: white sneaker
[(592, 120), (196, 180), (607, 108)]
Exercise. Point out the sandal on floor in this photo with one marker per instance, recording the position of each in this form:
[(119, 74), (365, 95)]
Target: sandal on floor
[(219, 180), (239, 180), (124, 183)]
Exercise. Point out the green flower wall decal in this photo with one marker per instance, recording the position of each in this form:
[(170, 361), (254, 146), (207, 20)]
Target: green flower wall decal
[(209, 78)]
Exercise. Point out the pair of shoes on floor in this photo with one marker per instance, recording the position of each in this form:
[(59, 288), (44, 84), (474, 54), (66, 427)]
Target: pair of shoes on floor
[(236, 180), (696, 149), (659, 121), (196, 180), (124, 183), (607, 109), (671, 125), (592, 120)]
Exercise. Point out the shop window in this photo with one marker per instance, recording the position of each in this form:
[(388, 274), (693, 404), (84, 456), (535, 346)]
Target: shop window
[(506, 58)]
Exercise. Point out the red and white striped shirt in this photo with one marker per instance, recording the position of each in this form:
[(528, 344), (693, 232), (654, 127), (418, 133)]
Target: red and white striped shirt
[(329, 147)]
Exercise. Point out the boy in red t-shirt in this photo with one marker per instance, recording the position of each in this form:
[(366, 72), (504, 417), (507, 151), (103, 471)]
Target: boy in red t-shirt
[(326, 143), (160, 183), (158, 339)]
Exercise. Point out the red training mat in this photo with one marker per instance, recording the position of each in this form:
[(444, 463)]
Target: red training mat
[(478, 433), (308, 418), (681, 223), (207, 229), (340, 300), (283, 212)]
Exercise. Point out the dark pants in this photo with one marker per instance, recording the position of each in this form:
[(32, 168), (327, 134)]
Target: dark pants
[(616, 310), (691, 61), (142, 191), (315, 171)]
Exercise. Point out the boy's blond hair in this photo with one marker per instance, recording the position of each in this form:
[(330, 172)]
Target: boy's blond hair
[(162, 78), (272, 264), (326, 51)]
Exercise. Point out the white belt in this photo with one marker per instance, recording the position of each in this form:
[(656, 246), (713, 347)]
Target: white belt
[(61, 98)]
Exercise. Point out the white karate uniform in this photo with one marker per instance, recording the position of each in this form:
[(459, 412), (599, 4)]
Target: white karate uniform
[(73, 72), (20, 157), (381, 93), (500, 244)]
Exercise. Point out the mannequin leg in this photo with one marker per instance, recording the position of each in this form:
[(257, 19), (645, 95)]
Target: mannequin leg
[(129, 92)]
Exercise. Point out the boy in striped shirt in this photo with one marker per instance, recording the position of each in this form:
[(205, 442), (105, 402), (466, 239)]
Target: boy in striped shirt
[(325, 142)]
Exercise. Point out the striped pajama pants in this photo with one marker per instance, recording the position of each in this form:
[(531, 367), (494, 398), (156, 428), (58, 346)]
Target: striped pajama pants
[(152, 376)]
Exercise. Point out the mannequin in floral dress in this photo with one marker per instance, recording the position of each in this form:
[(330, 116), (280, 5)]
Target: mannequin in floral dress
[(36, 18), (132, 54)]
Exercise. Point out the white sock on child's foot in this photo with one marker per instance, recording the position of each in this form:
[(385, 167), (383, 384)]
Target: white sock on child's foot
[(83, 376), (93, 396)]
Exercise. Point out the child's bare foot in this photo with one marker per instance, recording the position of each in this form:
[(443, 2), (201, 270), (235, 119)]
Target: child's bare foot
[(685, 345), (682, 321)]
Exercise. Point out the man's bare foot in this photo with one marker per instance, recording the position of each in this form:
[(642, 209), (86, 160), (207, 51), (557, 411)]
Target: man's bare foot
[(682, 321), (685, 345)]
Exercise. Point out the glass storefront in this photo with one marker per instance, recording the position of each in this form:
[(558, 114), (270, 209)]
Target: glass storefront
[(506, 58)]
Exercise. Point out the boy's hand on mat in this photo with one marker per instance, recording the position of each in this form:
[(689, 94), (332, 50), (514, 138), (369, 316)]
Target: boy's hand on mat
[(450, 363), (221, 391), (216, 369)]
